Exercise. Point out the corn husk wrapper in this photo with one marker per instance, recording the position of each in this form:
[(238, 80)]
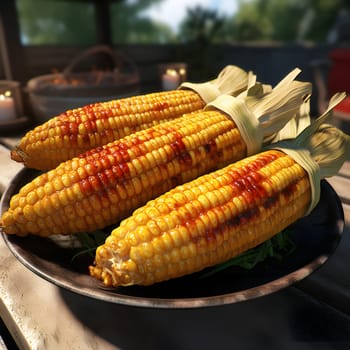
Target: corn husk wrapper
[(261, 112), (321, 149), (232, 80), (297, 124)]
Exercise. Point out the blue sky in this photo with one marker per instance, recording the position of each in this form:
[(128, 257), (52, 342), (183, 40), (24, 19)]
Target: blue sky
[(173, 11)]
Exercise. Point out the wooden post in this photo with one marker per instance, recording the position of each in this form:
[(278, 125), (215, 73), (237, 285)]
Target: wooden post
[(10, 43), (103, 22)]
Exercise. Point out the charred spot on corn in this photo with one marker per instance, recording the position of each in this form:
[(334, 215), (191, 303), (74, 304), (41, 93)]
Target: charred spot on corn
[(205, 222), (105, 184), (78, 130)]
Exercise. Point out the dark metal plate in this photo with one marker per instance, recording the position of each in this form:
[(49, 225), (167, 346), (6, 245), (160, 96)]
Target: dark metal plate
[(316, 237)]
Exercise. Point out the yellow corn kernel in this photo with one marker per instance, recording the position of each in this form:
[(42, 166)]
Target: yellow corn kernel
[(76, 131), (104, 185), (233, 214)]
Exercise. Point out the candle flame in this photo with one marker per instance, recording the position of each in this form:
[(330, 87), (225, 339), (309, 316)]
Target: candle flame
[(4, 95), (172, 72)]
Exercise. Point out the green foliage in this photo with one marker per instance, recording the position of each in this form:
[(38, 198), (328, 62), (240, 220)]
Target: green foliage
[(286, 20), (325, 14), (89, 243), (72, 22), (56, 22), (130, 25), (69, 22), (201, 25)]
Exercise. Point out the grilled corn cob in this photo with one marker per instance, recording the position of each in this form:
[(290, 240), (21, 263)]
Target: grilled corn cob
[(213, 218), (78, 130), (106, 184)]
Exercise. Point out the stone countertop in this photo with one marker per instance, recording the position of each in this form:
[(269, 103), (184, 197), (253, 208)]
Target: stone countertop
[(314, 313)]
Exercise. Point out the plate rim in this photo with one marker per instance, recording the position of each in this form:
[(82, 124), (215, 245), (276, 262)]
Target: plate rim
[(101, 292), (176, 303)]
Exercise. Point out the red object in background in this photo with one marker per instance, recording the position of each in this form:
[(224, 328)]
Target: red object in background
[(339, 76)]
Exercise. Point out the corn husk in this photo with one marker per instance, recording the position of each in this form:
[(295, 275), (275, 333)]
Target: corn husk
[(232, 80), (261, 112), (297, 124), (321, 149)]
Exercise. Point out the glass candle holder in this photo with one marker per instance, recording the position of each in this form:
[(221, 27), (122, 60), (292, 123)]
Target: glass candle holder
[(10, 100), (172, 75)]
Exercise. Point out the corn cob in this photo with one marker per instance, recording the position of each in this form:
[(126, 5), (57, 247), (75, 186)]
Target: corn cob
[(104, 185), (213, 218), (205, 222), (75, 131)]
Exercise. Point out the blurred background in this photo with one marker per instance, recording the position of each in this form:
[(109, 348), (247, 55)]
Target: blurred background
[(93, 50), (270, 37)]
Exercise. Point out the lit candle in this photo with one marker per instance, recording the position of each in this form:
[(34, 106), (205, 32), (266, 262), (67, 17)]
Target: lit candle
[(183, 74), (171, 79), (7, 106)]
